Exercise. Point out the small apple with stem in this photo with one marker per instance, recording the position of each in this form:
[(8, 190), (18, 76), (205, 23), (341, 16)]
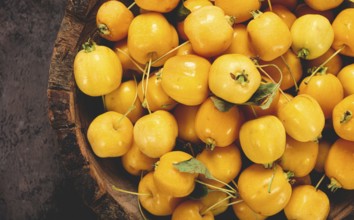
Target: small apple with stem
[(110, 134)]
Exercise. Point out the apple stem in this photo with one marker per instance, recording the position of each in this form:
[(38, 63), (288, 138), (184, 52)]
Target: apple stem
[(130, 192), (139, 204), (141, 211), (131, 107), (215, 205), (230, 192), (271, 180), (320, 181), (291, 73), (323, 64), (270, 5), (131, 5), (104, 103), (131, 59), (142, 86), (190, 147), (254, 111), (169, 52), (136, 91), (260, 67), (235, 184), (231, 189), (227, 185), (286, 97), (146, 75), (236, 202)]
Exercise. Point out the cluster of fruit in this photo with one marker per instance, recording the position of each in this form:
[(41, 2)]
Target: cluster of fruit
[(225, 103)]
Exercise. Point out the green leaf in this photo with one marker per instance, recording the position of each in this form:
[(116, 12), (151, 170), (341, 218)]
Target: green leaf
[(221, 104), (264, 95), (193, 166)]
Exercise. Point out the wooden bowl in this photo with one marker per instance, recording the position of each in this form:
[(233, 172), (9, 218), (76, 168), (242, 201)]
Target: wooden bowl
[(70, 113)]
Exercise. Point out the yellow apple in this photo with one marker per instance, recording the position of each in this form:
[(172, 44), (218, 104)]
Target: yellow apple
[(155, 134), (124, 100), (110, 134)]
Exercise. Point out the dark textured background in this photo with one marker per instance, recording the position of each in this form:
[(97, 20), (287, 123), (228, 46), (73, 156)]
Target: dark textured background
[(33, 182)]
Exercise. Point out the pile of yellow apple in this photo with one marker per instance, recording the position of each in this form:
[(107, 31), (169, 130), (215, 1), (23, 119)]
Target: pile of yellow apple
[(218, 104)]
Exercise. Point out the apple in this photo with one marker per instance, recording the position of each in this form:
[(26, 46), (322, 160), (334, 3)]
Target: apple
[(155, 134), (110, 134)]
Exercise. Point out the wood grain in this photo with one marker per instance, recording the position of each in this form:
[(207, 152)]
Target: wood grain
[(70, 114)]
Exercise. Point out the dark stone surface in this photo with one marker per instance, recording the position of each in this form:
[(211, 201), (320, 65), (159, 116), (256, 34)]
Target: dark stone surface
[(33, 181)]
